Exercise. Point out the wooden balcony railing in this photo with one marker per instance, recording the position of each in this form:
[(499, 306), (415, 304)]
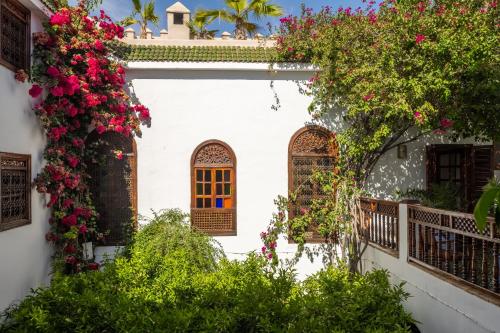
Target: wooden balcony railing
[(449, 243), (380, 221)]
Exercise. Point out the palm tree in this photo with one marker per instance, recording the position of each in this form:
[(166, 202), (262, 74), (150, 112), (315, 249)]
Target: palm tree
[(239, 13), (198, 27), (145, 15)]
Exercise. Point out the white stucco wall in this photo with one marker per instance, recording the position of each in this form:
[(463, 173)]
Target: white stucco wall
[(391, 173), (438, 305), (189, 107), (24, 253)]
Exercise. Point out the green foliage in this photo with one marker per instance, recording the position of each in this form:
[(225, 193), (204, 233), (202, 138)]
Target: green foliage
[(142, 15), (432, 67), (442, 196), (176, 280), (489, 200), (240, 12), (198, 27)]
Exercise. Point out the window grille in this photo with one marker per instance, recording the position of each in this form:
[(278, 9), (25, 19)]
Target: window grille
[(15, 190), (312, 149), (213, 188), (14, 35)]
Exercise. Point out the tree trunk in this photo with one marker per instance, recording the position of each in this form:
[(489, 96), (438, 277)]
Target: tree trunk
[(143, 31)]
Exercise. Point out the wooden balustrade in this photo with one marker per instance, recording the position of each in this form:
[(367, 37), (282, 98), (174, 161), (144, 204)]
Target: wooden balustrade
[(449, 243), (380, 223)]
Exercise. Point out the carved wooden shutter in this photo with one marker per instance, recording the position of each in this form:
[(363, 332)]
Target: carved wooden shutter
[(312, 149), (113, 187), (482, 169), (431, 165), (15, 36)]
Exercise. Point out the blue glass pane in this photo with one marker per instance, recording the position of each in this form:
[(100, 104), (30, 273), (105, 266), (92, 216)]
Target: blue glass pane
[(218, 203)]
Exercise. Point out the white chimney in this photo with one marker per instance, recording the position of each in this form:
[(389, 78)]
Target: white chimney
[(149, 33), (226, 35), (130, 33), (177, 18), (163, 34)]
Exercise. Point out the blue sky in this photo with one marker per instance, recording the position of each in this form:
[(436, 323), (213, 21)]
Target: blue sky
[(118, 9)]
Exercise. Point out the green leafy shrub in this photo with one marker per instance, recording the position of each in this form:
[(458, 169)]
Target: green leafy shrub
[(443, 196), (172, 279)]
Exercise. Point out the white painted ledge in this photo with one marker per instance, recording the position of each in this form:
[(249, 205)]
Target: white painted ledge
[(220, 66)]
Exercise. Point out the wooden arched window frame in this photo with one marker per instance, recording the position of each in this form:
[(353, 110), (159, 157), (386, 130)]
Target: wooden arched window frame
[(213, 189), (312, 148)]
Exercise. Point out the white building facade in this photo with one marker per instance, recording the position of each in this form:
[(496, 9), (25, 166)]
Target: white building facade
[(229, 134), (25, 255)]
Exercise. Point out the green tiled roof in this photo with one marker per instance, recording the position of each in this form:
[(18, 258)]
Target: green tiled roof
[(196, 53)]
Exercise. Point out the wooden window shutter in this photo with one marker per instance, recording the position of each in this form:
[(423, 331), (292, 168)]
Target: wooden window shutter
[(431, 165), (482, 169)]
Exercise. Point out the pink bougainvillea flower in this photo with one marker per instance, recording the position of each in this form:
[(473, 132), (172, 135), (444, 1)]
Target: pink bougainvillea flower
[(446, 123), (72, 161), (67, 203), (421, 6), (419, 117), (61, 18), (69, 220), (53, 71), (264, 249), (83, 229), (98, 45), (368, 97), (77, 142), (35, 91), (118, 154), (69, 249), (93, 266), (57, 91), (419, 38), (100, 129), (71, 260), (270, 256)]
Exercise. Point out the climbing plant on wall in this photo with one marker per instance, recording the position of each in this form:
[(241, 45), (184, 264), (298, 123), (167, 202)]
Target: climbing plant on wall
[(78, 87), (393, 72)]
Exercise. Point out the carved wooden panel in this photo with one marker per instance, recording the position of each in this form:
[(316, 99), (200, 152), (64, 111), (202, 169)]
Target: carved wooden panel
[(113, 187), (213, 154), (14, 35), (314, 141), (15, 190)]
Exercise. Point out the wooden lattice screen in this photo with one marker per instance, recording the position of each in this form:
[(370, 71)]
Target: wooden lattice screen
[(14, 35), (15, 190), (213, 188), (312, 149), (114, 186)]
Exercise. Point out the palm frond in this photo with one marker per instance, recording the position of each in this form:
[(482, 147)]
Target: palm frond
[(237, 5), (128, 21), (263, 8), (137, 6), (149, 13)]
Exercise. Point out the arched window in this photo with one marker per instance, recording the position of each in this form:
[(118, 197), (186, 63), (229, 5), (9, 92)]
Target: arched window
[(311, 149), (213, 189)]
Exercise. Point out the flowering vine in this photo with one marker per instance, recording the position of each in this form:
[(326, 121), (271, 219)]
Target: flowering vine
[(78, 87), (390, 73)]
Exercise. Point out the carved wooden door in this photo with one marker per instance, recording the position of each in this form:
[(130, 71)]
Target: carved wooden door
[(113, 186)]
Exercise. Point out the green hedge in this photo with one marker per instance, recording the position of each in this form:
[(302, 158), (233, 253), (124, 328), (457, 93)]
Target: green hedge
[(175, 280)]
